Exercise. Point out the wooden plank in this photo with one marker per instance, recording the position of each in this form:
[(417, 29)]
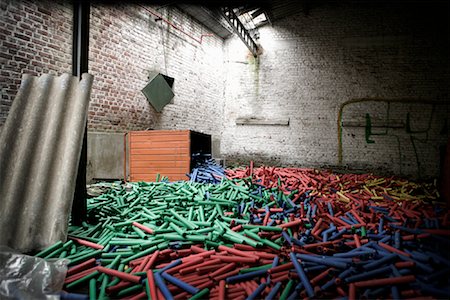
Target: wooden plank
[(180, 175), (160, 151), (159, 138), (161, 170), (142, 157), (160, 132), (262, 121), (168, 163), (152, 177), (165, 145)]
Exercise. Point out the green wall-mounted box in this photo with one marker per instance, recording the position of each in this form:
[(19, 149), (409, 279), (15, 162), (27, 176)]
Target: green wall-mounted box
[(159, 90)]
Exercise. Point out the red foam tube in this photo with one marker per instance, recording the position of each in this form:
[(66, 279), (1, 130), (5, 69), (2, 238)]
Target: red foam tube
[(118, 287), (79, 275), (352, 291), (281, 268), (151, 261), (141, 295), (244, 247), (283, 277), (385, 281), (119, 274), (235, 251), (192, 262), (236, 259), (404, 264), (208, 269), (202, 254), (151, 284), (81, 267), (291, 224), (223, 270), (86, 243), (205, 285), (225, 275), (143, 227), (187, 270), (357, 241), (222, 290), (392, 249), (320, 276)]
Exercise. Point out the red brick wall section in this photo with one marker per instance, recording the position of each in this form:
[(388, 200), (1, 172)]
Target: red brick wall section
[(126, 43), (35, 38)]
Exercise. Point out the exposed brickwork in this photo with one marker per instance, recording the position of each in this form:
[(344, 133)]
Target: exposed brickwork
[(310, 66), (35, 38), (126, 43), (313, 64)]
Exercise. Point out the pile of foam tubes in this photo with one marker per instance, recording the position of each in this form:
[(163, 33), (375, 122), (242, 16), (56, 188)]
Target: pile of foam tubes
[(260, 233)]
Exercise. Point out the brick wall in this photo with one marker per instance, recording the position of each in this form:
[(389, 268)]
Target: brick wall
[(312, 64), (310, 67), (126, 43), (35, 38)]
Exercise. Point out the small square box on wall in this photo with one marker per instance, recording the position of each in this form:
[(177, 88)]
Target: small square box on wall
[(158, 90)]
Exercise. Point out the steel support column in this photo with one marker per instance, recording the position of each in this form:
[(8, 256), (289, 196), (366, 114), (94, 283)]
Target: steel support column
[(240, 30), (80, 51)]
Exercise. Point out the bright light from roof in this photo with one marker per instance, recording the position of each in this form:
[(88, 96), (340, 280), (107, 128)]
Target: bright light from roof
[(260, 19), (251, 22)]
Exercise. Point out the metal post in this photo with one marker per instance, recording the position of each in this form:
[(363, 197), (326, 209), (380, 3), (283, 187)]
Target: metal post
[(80, 51)]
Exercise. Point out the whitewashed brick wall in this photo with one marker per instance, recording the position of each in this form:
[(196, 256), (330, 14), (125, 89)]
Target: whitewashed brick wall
[(312, 64)]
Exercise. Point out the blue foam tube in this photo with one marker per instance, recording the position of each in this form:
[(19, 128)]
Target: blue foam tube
[(397, 239), (274, 291), (330, 209), (437, 292), (73, 296), (338, 234), (257, 291), (354, 253), (245, 276), (181, 284), (380, 225), (377, 263), (171, 265), (275, 262), (162, 286), (302, 275), (369, 274), (328, 261)]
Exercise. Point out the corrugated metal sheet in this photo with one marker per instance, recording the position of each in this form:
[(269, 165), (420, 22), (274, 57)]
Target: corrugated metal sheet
[(40, 147)]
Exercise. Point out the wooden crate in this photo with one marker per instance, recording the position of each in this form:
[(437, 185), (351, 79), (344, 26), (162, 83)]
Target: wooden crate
[(165, 152)]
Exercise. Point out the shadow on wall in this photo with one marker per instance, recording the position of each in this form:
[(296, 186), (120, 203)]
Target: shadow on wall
[(403, 134)]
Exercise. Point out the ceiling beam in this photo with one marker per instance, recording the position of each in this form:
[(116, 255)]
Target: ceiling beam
[(240, 30)]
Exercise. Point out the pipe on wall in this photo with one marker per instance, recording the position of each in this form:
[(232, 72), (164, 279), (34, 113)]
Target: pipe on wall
[(352, 101)]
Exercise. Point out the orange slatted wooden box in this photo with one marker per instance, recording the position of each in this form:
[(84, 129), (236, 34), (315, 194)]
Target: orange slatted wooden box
[(164, 152)]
